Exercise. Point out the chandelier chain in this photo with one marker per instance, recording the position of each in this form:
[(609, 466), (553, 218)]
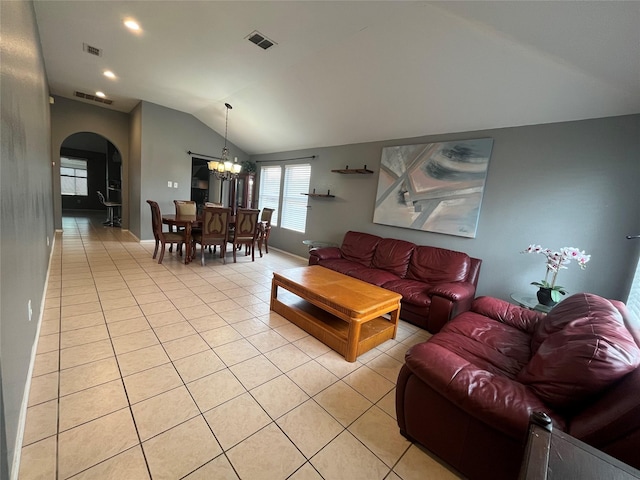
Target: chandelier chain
[(226, 124)]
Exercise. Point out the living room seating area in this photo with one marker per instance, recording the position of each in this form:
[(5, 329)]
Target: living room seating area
[(436, 284), (148, 370), (467, 393)]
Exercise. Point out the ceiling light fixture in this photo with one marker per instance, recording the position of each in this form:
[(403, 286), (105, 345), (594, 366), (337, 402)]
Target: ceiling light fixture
[(100, 94), (225, 169), (109, 74), (132, 25)]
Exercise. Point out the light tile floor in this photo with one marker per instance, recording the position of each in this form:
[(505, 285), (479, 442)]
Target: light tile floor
[(181, 371)]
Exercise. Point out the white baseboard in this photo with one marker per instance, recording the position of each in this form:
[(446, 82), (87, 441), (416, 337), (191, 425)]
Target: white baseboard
[(288, 253), (22, 418)]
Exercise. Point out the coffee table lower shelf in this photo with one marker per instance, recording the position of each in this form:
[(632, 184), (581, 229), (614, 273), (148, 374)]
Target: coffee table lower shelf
[(331, 330)]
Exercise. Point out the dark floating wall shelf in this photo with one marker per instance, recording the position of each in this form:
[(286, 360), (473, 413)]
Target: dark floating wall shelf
[(314, 194), (347, 170)]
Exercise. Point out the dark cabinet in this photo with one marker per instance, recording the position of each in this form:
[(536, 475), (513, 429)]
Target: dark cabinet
[(243, 192)]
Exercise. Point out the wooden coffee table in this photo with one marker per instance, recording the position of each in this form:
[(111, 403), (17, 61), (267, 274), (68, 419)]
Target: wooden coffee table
[(342, 312)]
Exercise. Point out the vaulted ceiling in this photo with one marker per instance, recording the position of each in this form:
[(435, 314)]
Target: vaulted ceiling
[(345, 72)]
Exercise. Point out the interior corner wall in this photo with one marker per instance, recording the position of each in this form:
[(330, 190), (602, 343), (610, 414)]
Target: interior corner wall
[(26, 213), (562, 184), (134, 170), (74, 116), (166, 135)]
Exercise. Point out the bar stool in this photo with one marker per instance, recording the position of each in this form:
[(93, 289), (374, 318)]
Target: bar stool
[(112, 220)]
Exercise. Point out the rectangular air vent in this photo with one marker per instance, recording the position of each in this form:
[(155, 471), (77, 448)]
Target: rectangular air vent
[(92, 50), (260, 40), (88, 96)]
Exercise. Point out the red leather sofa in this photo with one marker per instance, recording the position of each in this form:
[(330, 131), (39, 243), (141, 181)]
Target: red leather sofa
[(467, 393), (436, 284)]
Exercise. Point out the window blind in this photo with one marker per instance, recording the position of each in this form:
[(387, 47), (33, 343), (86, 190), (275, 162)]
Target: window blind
[(269, 196), (633, 302), (73, 176), (294, 205)]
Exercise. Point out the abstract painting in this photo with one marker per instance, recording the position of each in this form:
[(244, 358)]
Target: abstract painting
[(434, 187)]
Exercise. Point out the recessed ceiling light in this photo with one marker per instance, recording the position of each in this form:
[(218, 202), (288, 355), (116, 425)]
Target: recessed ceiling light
[(131, 24), (100, 94), (109, 74)]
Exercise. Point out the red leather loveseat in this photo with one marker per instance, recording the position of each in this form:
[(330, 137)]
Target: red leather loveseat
[(436, 284), (467, 393)]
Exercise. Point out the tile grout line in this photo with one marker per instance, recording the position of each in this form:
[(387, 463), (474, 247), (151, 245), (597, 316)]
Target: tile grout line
[(185, 278)]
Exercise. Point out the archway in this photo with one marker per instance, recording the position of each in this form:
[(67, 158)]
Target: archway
[(89, 163)]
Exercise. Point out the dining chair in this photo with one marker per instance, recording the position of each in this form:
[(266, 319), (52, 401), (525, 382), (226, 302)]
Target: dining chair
[(245, 231), (184, 207), (161, 237), (265, 229), (112, 220), (215, 228)]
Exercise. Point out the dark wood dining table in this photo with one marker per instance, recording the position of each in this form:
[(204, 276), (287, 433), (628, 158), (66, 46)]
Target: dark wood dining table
[(187, 222)]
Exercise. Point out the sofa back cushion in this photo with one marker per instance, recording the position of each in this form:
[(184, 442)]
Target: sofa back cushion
[(581, 347), (359, 247), (393, 256), (438, 265)]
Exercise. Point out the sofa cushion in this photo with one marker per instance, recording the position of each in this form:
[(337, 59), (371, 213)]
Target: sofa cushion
[(582, 347), (412, 291), (346, 267), (488, 344), (375, 276), (359, 247), (393, 256), (438, 265)]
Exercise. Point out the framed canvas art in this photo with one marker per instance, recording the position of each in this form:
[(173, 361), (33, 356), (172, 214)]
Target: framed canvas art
[(434, 187)]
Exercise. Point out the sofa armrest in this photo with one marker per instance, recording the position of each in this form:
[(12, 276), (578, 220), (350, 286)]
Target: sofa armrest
[(505, 312), (447, 301), (454, 291), (324, 253), (496, 400)]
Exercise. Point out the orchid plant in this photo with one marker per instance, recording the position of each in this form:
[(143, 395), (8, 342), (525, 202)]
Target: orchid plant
[(557, 261)]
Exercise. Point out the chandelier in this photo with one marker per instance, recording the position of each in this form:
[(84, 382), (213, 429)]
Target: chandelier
[(224, 168)]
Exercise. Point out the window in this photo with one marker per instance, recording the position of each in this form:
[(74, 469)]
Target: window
[(633, 302), (294, 205), (73, 176), (270, 190), (275, 192)]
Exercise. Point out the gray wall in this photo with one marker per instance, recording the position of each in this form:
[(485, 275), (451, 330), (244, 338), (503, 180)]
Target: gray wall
[(166, 137), (564, 184), (153, 141), (26, 218), (134, 169), (69, 117)]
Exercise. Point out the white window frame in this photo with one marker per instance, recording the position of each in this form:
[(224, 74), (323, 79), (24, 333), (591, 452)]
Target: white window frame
[(270, 188), (294, 205), (71, 171), (291, 206)]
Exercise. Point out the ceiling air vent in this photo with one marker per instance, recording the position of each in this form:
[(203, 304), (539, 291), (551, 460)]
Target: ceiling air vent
[(260, 40), (93, 98), (92, 50)]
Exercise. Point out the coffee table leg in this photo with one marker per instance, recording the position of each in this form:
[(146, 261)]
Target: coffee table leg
[(395, 316), (353, 337)]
